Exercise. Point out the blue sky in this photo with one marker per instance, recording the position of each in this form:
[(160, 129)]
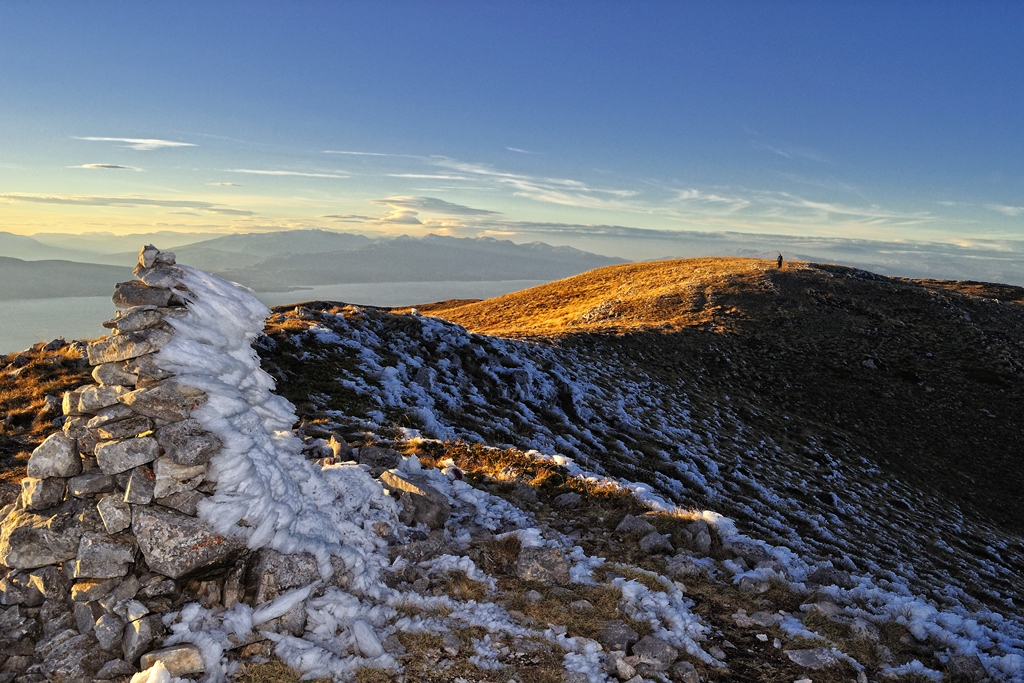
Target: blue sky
[(894, 121)]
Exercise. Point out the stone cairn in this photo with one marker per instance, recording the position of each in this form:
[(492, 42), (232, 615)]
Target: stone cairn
[(105, 539)]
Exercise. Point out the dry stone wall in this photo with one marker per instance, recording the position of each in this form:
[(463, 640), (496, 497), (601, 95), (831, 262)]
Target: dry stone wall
[(105, 537)]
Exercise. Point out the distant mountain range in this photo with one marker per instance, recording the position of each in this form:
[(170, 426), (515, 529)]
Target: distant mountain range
[(282, 261)]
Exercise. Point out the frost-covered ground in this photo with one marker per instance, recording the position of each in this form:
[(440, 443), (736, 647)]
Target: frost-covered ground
[(917, 559)]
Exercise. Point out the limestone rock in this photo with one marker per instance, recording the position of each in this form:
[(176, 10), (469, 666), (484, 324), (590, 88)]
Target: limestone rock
[(134, 319), (139, 635), (547, 565), (187, 443), (57, 456), (179, 660), (631, 524), (109, 629), (137, 293), (830, 576), (75, 659), (655, 542), (752, 553), (91, 590), (95, 397), (174, 544), (42, 494), (379, 459), (617, 635), (112, 413), (186, 502), (682, 567), (568, 500), (49, 582), (169, 401), (272, 573), (114, 374), (966, 668), (120, 456), (173, 478), (147, 256), (686, 672), (115, 669), (124, 429), (146, 371), (655, 653), (100, 548), (160, 275), (69, 404), (140, 486), (90, 484), (115, 513), (814, 658), (119, 347), (420, 502)]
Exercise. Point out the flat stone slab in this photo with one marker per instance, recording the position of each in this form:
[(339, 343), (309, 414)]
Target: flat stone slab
[(175, 545), (114, 373), (135, 318), (126, 346), (121, 456), (177, 659), (169, 401), (137, 293)]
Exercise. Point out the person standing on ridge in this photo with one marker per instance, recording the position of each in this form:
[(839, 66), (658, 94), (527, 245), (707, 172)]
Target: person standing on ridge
[(779, 260)]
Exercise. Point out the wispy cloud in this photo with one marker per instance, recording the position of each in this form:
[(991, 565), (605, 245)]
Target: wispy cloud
[(141, 144), (300, 174), (112, 167), (794, 152), (1011, 211), (371, 154), (520, 151), (90, 200), (224, 184), (432, 205), (428, 176)]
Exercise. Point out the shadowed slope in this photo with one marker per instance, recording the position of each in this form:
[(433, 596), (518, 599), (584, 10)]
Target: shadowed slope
[(922, 378)]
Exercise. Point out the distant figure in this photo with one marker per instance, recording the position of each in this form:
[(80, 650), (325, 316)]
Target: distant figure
[(779, 260)]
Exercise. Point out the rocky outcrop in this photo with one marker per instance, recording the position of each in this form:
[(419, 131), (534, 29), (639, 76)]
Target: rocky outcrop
[(105, 530)]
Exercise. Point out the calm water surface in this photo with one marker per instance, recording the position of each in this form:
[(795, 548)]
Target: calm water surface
[(24, 322)]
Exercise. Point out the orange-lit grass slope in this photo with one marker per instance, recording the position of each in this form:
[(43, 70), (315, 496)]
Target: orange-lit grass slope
[(923, 377)]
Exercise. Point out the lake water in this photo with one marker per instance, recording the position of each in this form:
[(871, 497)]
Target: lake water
[(24, 322)]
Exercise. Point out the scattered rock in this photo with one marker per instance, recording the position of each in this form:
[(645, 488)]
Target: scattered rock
[(547, 565), (617, 635), (568, 500), (379, 459), (655, 542), (420, 503), (967, 668), (814, 658), (830, 576), (655, 652), (631, 524), (685, 672)]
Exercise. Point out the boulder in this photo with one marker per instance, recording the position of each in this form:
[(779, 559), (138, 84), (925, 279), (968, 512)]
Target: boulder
[(169, 401), (631, 524), (42, 494), (966, 668), (420, 503), (682, 567), (137, 293), (655, 653), (179, 660), (57, 456), (654, 542), (187, 443), (547, 565), (173, 478), (617, 635), (176, 545), (378, 459), (115, 457), (160, 275)]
